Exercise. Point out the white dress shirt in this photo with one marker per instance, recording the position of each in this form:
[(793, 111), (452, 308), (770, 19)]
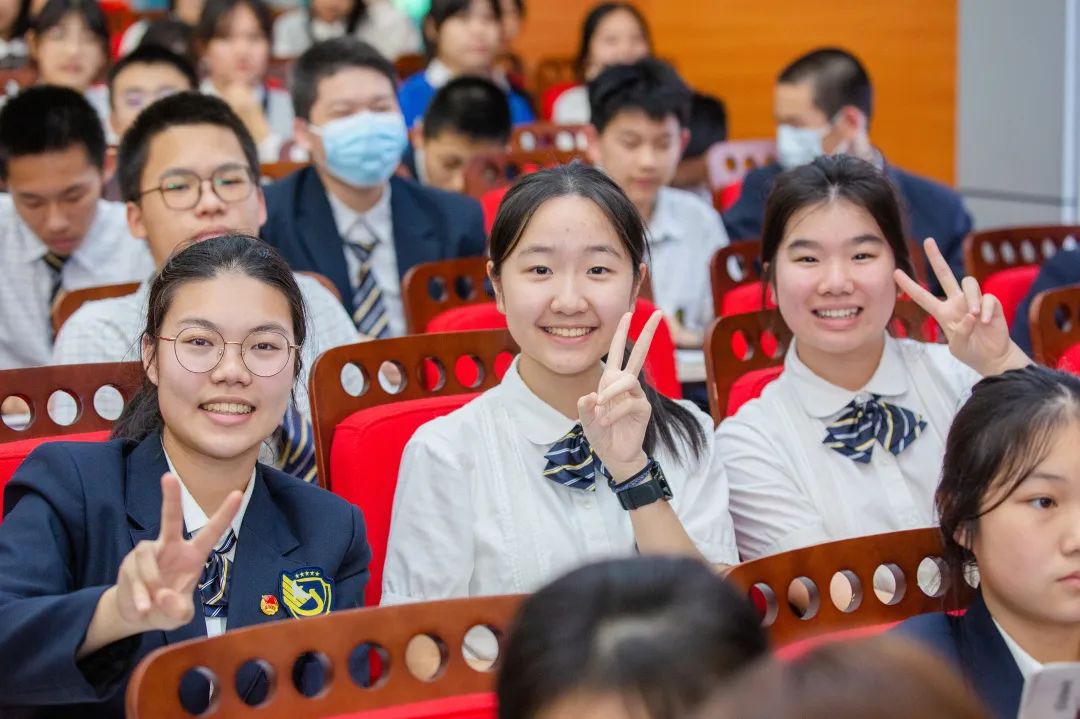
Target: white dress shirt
[(108, 255), (473, 514), (109, 331), (195, 519), (384, 27), (572, 107), (683, 236), (1027, 664), (376, 225), (789, 490), (278, 110)]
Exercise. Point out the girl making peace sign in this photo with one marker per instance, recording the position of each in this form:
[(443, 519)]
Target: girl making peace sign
[(572, 457), (172, 530), (849, 440)]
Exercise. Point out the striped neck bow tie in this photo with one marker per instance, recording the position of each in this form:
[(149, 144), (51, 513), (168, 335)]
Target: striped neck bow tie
[(571, 462), (854, 433)]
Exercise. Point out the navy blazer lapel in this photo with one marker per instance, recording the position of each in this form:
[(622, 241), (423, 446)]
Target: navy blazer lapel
[(991, 667), (142, 491), (415, 237), (319, 233)]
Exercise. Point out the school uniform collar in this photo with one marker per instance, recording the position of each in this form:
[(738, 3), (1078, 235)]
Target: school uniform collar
[(206, 87), (438, 74), (195, 516), (663, 219), (346, 218), (1026, 663), (821, 399), (537, 420)]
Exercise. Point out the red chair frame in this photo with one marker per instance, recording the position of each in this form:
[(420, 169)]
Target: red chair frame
[(1054, 317)]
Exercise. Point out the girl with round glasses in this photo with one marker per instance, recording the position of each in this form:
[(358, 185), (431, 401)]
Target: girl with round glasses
[(172, 530)]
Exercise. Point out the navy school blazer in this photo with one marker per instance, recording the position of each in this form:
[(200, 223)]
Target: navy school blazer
[(74, 510), (429, 225), (974, 645)]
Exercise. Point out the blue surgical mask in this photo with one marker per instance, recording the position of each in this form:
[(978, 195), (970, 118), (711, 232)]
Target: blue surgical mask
[(364, 149), (799, 145)]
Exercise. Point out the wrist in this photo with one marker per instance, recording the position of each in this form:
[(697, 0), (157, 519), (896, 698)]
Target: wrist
[(1015, 358), (623, 471)]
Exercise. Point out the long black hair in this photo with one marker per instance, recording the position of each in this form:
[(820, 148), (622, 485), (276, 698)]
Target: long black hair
[(356, 16), (660, 631), (1000, 435), (54, 12), (669, 419), (227, 254), (592, 23)]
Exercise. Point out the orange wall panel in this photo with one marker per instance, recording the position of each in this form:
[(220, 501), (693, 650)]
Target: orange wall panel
[(734, 49)]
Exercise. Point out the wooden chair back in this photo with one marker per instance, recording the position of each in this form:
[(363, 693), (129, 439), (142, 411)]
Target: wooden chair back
[(547, 136), (347, 379), (737, 264), (729, 162), (995, 250), (79, 383), (271, 171), (739, 344), (13, 79), (409, 64), (386, 632), (490, 171), (431, 288), (65, 307), (552, 71), (1054, 318), (835, 571)]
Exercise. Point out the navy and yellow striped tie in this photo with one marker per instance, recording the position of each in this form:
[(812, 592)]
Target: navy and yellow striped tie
[(855, 432), (297, 455), (369, 313), (571, 462), (216, 575)]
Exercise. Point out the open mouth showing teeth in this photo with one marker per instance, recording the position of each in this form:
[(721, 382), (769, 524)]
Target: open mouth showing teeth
[(839, 314), (227, 408), (568, 331)]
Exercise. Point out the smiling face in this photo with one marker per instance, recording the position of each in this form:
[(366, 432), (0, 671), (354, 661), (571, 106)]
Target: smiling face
[(68, 54), (226, 413), (564, 288), (833, 283), (1028, 547)]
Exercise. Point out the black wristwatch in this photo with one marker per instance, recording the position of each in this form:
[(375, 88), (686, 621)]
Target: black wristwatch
[(644, 488)]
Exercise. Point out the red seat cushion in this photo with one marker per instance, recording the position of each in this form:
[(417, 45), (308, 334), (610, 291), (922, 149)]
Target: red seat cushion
[(744, 299), (728, 196), (1010, 286), (466, 706), (489, 205), (481, 316), (797, 649), (749, 386), (1069, 361), (12, 454), (364, 458), (551, 96)]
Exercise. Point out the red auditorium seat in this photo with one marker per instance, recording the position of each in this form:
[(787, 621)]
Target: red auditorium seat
[(1010, 286), (1054, 317)]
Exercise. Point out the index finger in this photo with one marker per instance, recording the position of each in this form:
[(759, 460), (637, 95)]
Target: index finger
[(941, 268), (641, 346), (618, 342), (208, 538), (172, 513)]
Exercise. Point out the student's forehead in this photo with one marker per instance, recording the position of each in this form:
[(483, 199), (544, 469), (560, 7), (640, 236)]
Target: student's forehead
[(829, 223), (638, 121), (172, 147), (145, 73), (355, 83)]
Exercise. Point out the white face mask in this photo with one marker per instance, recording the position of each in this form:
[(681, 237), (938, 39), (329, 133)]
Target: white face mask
[(799, 145)]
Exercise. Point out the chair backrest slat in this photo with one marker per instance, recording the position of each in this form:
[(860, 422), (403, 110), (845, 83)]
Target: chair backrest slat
[(995, 250)]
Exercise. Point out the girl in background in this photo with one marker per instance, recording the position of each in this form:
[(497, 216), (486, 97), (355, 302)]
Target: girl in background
[(376, 22), (69, 46)]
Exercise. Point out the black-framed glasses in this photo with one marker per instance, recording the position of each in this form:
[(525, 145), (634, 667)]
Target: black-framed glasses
[(200, 349), (182, 190)]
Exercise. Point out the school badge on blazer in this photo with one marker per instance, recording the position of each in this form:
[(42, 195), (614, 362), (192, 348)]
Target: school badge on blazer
[(306, 592)]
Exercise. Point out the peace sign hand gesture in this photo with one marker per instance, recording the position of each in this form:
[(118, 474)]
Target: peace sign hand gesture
[(156, 581), (974, 323), (614, 418)]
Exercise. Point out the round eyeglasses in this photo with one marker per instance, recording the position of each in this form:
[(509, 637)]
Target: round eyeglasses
[(182, 190), (200, 349)]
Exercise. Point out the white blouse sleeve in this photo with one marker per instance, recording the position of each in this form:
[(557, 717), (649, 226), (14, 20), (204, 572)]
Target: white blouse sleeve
[(430, 551), (389, 30), (771, 511)]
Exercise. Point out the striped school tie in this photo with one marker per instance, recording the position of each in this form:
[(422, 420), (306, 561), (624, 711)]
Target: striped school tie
[(56, 264), (853, 434), (297, 455), (216, 575), (571, 462), (370, 316)]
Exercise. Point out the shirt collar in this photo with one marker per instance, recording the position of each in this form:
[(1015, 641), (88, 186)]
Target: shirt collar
[(194, 516), (438, 74), (822, 399), (541, 423), (1026, 663), (206, 87), (345, 218), (660, 227)]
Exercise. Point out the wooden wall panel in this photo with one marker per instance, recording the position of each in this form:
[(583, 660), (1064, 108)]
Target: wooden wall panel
[(735, 48)]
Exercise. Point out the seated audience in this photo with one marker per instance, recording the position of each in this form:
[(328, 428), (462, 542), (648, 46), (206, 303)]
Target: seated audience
[(880, 677), (468, 117), (186, 12), (376, 22), (348, 216), (634, 638), (160, 179), (1009, 502), (823, 103), (614, 33), (57, 233), (463, 38), (141, 77), (848, 440), (707, 127), (233, 38), (69, 45), (14, 22), (640, 113), (568, 459), (173, 530), (1061, 270)]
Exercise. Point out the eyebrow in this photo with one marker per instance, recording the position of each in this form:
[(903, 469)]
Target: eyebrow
[(803, 243), (1044, 475), (207, 324), (549, 250), (188, 170)]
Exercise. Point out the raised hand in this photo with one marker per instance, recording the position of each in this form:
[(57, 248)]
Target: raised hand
[(615, 416), (974, 323), (156, 581)]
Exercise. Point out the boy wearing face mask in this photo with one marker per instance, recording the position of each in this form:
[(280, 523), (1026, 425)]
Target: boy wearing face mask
[(348, 216), (822, 103)]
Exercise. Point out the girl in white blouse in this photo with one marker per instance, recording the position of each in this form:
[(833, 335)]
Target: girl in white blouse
[(848, 441), (376, 22), (504, 494)]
